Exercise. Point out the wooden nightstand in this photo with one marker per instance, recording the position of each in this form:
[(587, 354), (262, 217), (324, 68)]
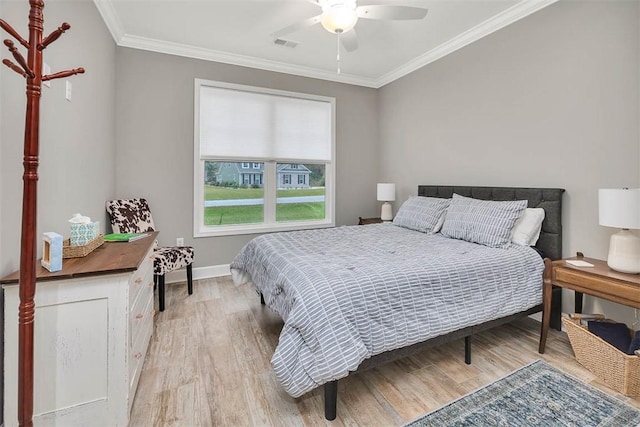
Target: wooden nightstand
[(599, 281), (365, 221)]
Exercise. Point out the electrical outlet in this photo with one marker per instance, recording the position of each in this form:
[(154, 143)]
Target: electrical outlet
[(67, 94), (180, 241), (46, 70)]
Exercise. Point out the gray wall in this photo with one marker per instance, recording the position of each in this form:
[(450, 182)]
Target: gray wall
[(155, 142), (550, 101), (77, 150)]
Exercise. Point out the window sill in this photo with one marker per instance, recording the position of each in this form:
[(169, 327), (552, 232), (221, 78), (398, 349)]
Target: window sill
[(260, 228)]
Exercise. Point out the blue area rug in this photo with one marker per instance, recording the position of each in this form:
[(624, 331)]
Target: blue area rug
[(535, 395)]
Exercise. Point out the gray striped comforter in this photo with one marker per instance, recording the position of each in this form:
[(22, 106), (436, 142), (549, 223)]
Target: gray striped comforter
[(348, 293)]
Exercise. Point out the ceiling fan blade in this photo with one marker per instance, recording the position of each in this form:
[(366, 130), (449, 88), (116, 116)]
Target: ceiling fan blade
[(383, 11), (349, 40), (297, 26)]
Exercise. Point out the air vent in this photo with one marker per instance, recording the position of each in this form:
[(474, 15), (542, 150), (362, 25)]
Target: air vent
[(285, 43)]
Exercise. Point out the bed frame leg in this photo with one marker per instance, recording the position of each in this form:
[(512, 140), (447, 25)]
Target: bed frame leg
[(262, 299), (330, 400), (467, 350)]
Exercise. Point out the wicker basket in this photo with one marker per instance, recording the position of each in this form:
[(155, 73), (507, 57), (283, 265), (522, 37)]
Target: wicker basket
[(69, 251), (618, 370)]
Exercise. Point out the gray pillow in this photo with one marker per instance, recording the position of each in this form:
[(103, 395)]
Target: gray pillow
[(421, 213), (485, 222)]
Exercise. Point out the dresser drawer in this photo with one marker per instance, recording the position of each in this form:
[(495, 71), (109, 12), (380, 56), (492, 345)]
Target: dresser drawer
[(141, 314), (137, 357), (141, 279)]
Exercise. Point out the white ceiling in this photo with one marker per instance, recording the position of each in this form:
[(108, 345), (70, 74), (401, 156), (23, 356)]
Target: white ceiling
[(239, 32)]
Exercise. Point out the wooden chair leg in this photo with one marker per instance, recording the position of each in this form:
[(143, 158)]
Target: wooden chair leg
[(161, 291), (190, 279)]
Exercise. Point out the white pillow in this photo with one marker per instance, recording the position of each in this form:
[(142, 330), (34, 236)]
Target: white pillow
[(526, 230)]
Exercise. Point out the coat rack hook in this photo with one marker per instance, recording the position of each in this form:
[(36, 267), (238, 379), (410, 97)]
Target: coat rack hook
[(9, 29), (19, 58), (53, 36), (14, 67)]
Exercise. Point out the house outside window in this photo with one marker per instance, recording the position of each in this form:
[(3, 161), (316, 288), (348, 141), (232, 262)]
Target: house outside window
[(240, 127)]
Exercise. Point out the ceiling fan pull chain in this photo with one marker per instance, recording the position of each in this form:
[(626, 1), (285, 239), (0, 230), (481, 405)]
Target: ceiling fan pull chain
[(338, 56)]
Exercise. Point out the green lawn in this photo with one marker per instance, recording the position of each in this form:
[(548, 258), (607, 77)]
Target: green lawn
[(224, 193), (252, 214), (227, 215)]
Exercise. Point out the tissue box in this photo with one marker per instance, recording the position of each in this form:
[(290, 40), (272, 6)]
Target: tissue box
[(81, 234)]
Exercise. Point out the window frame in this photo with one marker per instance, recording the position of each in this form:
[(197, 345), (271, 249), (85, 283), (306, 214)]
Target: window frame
[(269, 176)]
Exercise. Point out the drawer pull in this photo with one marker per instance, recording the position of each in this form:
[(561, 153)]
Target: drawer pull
[(138, 355), (138, 281), (139, 316)]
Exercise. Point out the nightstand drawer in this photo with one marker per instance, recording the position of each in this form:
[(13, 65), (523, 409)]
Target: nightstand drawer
[(585, 281)]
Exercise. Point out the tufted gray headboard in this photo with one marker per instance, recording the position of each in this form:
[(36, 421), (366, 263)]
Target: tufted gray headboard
[(550, 199)]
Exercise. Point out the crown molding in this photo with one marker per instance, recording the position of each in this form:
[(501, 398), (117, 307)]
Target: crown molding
[(110, 18), (507, 17), (177, 49), (491, 25)]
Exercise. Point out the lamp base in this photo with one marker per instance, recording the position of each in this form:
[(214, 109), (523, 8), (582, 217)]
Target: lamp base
[(386, 213), (624, 252)]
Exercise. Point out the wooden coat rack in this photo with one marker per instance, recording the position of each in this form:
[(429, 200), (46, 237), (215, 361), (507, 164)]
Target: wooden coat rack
[(31, 70)]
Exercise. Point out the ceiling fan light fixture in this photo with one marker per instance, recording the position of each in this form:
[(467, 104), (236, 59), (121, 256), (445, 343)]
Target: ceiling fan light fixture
[(339, 16)]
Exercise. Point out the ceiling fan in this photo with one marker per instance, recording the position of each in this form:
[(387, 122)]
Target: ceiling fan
[(340, 16)]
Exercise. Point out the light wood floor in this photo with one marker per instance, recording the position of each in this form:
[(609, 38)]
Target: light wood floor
[(208, 365)]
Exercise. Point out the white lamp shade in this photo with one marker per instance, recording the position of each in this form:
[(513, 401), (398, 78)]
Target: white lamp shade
[(619, 208), (386, 192)]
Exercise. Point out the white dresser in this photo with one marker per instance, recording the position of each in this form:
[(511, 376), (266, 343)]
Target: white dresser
[(93, 324)]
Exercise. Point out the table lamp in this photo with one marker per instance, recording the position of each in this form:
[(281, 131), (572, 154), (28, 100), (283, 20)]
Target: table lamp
[(386, 194), (620, 208)]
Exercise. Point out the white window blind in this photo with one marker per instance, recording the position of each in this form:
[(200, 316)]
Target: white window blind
[(239, 124)]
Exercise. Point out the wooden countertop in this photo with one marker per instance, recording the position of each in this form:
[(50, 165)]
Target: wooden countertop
[(109, 258)]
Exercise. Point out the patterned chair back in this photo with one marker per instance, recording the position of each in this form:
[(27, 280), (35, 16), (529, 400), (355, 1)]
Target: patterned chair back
[(130, 216)]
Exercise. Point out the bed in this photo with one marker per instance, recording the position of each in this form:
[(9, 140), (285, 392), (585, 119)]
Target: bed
[(354, 297)]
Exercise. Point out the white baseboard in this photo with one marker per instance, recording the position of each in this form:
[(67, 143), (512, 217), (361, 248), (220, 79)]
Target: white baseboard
[(198, 273)]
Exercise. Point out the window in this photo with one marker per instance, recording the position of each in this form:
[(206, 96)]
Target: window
[(247, 142)]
